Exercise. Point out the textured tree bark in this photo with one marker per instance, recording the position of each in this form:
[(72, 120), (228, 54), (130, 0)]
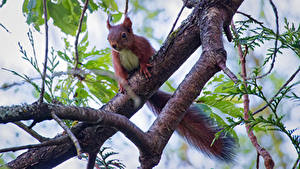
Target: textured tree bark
[(177, 48), (212, 21)]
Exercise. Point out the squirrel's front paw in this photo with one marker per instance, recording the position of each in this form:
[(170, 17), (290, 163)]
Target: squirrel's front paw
[(144, 70)]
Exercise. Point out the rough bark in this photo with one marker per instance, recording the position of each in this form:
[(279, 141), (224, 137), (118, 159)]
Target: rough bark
[(177, 48), (169, 58)]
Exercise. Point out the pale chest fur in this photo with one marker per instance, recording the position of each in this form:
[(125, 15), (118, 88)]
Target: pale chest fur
[(128, 60)]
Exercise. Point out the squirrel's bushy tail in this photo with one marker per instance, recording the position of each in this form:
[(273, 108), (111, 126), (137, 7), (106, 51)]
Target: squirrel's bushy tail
[(198, 129)]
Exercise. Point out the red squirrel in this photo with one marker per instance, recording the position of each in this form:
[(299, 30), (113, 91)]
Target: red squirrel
[(130, 52)]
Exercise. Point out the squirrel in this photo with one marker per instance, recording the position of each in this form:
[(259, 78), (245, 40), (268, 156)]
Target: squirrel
[(130, 52)]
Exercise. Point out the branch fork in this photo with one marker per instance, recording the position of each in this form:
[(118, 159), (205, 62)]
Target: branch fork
[(115, 114)]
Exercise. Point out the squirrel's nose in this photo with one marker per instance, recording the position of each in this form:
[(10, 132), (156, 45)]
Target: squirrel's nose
[(114, 46)]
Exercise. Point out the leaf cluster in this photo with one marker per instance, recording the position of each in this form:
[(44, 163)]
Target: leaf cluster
[(252, 34), (105, 160)]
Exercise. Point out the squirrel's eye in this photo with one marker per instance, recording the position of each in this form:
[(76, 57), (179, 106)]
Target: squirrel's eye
[(123, 35)]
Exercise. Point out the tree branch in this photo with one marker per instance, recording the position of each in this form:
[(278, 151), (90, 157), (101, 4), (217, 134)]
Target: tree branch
[(6, 86), (126, 8), (276, 40), (250, 17), (31, 132), (78, 33), (174, 24), (211, 24), (70, 134), (167, 61), (4, 28), (296, 163), (269, 163), (278, 92), (46, 52), (51, 142), (120, 122), (176, 49), (92, 159)]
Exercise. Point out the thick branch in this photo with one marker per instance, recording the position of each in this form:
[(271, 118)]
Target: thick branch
[(168, 59), (214, 54), (120, 122), (180, 46)]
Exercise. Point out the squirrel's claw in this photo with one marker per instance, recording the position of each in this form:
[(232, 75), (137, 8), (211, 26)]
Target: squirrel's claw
[(144, 70)]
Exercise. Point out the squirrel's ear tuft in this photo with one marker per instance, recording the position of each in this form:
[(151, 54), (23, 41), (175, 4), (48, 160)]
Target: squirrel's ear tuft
[(108, 24), (127, 23)]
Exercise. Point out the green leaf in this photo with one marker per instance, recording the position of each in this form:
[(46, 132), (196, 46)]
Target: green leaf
[(64, 56), (205, 109), (65, 15), (109, 6), (98, 64), (33, 10), (81, 93), (101, 88), (92, 6), (225, 106), (218, 119), (101, 59), (116, 17)]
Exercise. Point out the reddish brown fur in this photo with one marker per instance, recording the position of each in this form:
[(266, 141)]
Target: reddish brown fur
[(120, 72), (137, 44), (197, 128)]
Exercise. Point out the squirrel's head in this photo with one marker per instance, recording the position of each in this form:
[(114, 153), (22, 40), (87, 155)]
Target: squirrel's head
[(120, 36)]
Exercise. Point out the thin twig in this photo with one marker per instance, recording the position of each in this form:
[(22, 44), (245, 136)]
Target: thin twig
[(69, 132), (51, 142), (46, 52), (257, 160), (4, 28), (296, 163), (228, 72), (251, 18), (6, 86), (269, 163), (78, 32), (276, 41), (126, 8), (174, 24), (279, 91), (31, 132)]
